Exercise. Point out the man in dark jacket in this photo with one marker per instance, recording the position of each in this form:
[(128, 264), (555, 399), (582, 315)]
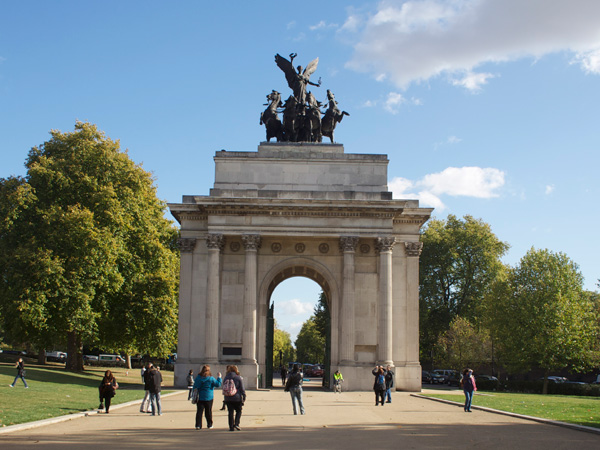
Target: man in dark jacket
[(155, 381), (389, 383)]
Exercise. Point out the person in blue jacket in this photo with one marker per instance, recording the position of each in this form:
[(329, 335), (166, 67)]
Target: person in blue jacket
[(205, 383)]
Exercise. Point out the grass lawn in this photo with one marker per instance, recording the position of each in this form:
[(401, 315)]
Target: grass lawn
[(55, 392), (564, 408)]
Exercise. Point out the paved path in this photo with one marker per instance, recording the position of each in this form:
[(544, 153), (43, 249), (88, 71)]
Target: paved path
[(333, 421)]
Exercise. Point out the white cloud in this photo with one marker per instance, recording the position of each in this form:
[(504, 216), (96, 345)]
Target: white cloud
[(476, 182), (352, 24), (393, 102), (322, 25), (295, 307), (416, 40), (549, 189)]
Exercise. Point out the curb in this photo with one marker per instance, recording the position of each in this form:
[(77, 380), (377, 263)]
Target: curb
[(519, 416), (53, 420)]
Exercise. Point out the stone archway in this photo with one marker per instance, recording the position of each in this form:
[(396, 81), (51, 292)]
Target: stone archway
[(300, 210), (287, 268)]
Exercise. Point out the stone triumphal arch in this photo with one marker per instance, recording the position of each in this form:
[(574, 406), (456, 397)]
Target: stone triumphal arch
[(300, 209)]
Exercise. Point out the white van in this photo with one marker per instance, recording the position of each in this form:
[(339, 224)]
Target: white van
[(110, 359), (56, 356)]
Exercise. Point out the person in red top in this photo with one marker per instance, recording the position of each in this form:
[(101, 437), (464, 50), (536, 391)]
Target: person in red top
[(468, 384)]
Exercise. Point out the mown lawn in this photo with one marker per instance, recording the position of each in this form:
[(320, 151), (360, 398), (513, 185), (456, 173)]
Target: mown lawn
[(55, 392), (564, 408)]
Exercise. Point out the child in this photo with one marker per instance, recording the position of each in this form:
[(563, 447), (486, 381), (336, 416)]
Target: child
[(190, 383)]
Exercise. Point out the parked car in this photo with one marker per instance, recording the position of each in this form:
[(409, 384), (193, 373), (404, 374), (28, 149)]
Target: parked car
[(485, 378), (111, 359), (56, 356), (444, 373), (89, 359), (437, 377), (553, 379), (453, 379), (425, 377)]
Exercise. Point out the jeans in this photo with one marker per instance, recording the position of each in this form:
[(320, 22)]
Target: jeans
[(231, 408), (145, 402), (296, 394), (155, 402), (206, 408), (22, 378), (379, 396), (468, 399), (388, 395)]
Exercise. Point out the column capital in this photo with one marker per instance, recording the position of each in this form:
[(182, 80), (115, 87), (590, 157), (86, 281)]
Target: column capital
[(348, 243), (385, 244), (413, 248), (215, 240), (251, 241), (186, 245)]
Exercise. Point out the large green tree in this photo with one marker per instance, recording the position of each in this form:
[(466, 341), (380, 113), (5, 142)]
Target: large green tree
[(283, 350), (542, 317), (85, 252), (310, 345), (459, 262), (464, 345)]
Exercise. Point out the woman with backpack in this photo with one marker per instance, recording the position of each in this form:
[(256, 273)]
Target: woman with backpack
[(234, 396), (467, 382), (205, 384), (294, 387), (107, 389), (379, 385)]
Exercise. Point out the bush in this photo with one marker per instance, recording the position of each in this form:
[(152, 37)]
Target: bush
[(536, 387)]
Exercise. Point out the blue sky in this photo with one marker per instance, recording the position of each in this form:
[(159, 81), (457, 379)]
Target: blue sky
[(485, 108)]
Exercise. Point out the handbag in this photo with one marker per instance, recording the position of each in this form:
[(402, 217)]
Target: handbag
[(195, 395)]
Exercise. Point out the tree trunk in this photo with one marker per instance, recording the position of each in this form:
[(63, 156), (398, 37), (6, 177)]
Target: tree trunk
[(128, 360), (41, 357), (74, 352)]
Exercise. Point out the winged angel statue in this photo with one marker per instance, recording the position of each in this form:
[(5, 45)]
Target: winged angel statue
[(301, 111)]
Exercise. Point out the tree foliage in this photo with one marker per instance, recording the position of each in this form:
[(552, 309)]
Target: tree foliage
[(463, 345), (283, 350), (310, 344), (85, 252), (459, 262), (542, 317)]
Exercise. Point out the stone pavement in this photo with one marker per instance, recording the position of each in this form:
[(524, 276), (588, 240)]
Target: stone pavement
[(333, 421)]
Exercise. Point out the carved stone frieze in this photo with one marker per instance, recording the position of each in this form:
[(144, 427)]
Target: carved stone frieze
[(276, 247), (300, 247), (324, 247), (365, 248), (235, 246)]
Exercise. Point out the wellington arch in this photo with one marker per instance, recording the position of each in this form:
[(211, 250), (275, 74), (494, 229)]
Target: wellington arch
[(310, 210)]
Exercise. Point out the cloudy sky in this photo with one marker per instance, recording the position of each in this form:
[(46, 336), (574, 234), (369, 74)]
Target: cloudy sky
[(485, 107)]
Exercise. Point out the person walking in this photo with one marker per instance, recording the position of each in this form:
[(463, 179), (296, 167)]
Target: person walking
[(190, 383), (467, 382), (205, 384), (107, 389), (20, 366), (235, 396), (389, 383), (379, 385), (145, 406), (294, 387), (338, 379), (155, 382), (283, 372)]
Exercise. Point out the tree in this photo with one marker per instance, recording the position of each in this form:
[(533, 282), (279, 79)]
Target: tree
[(85, 253), (282, 347), (459, 262), (542, 317), (310, 345), (462, 345), (321, 315)]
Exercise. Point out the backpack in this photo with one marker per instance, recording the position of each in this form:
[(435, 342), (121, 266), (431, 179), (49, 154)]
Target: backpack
[(229, 389), (381, 382)]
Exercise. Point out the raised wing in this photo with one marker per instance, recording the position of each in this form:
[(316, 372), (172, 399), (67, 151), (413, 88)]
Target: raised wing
[(311, 67), (287, 68)]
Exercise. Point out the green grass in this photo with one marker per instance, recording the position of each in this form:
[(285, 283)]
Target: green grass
[(55, 392), (564, 408)]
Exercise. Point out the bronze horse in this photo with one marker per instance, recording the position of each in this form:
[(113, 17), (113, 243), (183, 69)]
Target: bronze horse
[(332, 117), (270, 119), (311, 129), (292, 121)]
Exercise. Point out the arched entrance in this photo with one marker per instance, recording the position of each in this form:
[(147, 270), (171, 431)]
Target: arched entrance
[(288, 268), (306, 210)]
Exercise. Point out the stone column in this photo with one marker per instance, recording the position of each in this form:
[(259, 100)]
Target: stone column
[(347, 246), (186, 248), (251, 244), (384, 317), (215, 243), (413, 251)]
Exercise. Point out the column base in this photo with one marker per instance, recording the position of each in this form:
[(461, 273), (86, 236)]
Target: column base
[(249, 371)]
